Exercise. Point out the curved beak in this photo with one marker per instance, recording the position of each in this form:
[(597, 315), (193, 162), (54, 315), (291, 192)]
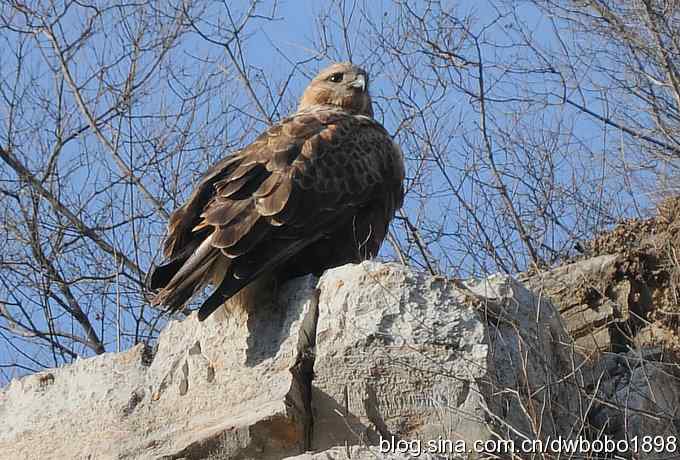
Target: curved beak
[(359, 82)]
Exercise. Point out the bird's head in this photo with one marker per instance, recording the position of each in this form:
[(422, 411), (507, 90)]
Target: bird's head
[(342, 85)]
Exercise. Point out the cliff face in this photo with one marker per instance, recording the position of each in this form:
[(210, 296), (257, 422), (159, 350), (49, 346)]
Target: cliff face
[(369, 358)]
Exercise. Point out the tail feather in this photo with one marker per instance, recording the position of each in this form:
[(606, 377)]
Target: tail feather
[(176, 294), (232, 284), (200, 260), (181, 278), (160, 276)]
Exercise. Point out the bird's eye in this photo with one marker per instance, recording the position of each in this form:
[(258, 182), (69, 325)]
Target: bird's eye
[(336, 77)]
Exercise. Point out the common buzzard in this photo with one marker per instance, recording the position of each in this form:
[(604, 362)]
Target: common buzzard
[(316, 190)]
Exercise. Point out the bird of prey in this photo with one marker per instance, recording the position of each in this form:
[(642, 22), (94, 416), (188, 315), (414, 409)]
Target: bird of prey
[(314, 191)]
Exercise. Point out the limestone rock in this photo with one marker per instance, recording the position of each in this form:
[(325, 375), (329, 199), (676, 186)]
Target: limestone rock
[(369, 354), (223, 388), (360, 453), (593, 297), (425, 358), (396, 352), (638, 396), (533, 376)]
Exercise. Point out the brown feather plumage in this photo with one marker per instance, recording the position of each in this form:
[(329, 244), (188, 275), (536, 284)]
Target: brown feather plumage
[(314, 191)]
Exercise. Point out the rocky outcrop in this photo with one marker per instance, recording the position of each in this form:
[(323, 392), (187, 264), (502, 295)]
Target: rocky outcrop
[(591, 304), (226, 388), (404, 354), (608, 303), (371, 361), (622, 291), (360, 453), (638, 398)]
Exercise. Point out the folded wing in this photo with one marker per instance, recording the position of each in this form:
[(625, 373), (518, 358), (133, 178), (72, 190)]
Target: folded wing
[(300, 192)]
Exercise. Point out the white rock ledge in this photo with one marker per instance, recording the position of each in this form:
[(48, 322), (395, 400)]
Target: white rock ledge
[(371, 351)]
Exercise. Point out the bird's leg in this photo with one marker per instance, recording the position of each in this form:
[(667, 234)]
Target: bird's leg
[(257, 297)]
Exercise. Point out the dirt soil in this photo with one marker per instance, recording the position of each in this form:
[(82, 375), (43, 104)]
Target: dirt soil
[(650, 255)]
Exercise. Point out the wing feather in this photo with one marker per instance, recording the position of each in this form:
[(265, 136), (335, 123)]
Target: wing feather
[(186, 217), (238, 228), (222, 212), (268, 185), (255, 235), (276, 200)]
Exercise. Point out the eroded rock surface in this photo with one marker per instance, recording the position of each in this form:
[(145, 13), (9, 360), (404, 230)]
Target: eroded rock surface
[(362, 453), (229, 388), (426, 358), (396, 353), (367, 353), (638, 397), (623, 290)]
